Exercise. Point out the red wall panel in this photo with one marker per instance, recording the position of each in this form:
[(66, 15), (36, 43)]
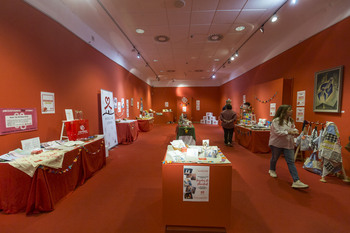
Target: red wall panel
[(327, 49), (38, 54), (209, 100)]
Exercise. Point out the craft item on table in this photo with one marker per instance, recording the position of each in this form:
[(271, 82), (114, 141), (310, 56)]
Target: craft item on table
[(73, 143), (192, 154), (178, 144), (29, 164)]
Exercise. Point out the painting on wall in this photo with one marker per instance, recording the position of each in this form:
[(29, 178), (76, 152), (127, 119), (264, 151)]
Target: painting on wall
[(328, 89)]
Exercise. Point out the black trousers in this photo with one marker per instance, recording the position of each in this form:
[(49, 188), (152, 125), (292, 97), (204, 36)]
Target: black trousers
[(228, 133)]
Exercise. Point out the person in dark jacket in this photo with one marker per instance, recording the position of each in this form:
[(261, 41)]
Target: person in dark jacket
[(228, 118), (228, 101)]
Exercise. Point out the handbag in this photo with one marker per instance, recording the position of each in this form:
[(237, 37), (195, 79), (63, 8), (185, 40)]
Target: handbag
[(312, 164), (305, 140)]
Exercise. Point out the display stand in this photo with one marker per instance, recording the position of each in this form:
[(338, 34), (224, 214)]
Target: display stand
[(63, 130), (182, 216)]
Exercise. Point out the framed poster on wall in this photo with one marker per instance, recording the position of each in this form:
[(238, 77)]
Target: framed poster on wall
[(328, 89)]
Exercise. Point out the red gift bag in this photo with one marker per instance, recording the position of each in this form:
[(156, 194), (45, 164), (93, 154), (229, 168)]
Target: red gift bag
[(77, 129)]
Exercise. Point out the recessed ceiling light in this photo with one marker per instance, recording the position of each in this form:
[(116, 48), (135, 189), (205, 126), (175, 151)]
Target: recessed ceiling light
[(162, 38), (140, 31), (155, 60), (216, 59), (240, 28), (215, 37)]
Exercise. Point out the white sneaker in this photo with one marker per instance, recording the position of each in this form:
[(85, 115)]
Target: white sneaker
[(299, 185), (272, 173)]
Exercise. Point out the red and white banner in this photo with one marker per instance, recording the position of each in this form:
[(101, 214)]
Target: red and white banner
[(15, 120)]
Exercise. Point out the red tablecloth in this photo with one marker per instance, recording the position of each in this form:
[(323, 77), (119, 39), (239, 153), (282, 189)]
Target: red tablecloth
[(165, 118), (20, 192), (146, 125), (127, 131), (256, 141)]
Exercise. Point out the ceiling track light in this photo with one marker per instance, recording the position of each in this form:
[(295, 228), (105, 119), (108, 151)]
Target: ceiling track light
[(274, 18), (261, 29)]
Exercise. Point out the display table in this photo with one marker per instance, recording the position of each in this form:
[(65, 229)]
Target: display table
[(257, 141), (163, 117), (145, 125), (127, 131), (215, 212), (186, 134), (19, 192)]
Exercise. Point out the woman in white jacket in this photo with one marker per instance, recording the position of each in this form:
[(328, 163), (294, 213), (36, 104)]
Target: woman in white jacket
[(282, 141)]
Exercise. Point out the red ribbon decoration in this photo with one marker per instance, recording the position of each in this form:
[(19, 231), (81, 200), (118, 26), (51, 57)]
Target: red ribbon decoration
[(108, 101)]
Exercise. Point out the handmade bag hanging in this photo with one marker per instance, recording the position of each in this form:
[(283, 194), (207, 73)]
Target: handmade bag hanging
[(305, 140), (312, 164)]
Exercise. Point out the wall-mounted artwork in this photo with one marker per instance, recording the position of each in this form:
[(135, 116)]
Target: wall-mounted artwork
[(328, 89)]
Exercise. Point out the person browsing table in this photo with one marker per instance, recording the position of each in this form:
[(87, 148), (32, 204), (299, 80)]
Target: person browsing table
[(228, 118)]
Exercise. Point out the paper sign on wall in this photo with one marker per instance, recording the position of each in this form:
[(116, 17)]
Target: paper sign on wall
[(198, 105), (196, 183), (127, 108), (123, 105), (300, 114), (244, 99), (272, 109), (166, 104), (119, 106), (138, 105), (47, 102), (14, 120), (301, 98), (184, 108), (115, 100), (132, 102)]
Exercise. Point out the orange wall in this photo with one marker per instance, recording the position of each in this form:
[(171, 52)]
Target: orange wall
[(209, 100), (328, 49), (37, 54)]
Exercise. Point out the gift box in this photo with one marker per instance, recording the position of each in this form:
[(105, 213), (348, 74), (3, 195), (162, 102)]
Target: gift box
[(208, 122), (202, 121), (209, 114)]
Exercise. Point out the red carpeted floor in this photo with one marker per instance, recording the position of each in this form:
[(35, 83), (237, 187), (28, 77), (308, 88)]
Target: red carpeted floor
[(125, 196)]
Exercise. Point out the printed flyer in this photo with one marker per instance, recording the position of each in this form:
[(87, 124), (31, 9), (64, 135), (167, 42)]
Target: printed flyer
[(196, 183), (300, 114), (301, 98)]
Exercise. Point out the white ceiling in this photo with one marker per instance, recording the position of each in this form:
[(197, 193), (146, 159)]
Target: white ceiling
[(189, 58)]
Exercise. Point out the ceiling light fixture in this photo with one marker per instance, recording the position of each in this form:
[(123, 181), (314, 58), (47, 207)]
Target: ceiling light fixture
[(240, 28), (215, 37), (274, 18), (261, 29), (294, 2), (138, 55), (140, 31), (125, 35), (213, 76)]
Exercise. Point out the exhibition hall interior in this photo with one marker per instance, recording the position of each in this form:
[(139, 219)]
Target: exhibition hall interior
[(169, 116)]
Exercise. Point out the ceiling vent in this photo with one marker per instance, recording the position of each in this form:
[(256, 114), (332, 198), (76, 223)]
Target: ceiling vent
[(215, 37), (162, 38), (179, 3)]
